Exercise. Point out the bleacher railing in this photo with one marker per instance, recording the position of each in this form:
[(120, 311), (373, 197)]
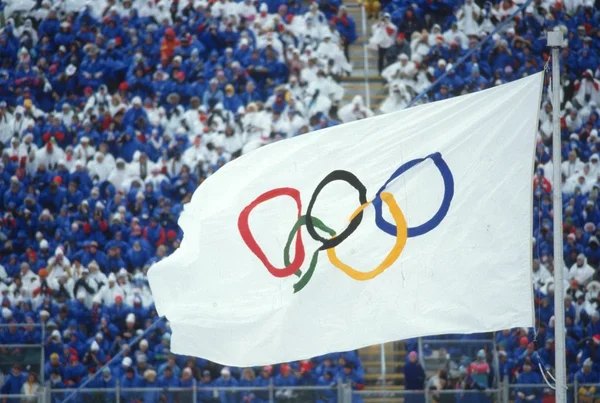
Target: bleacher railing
[(29, 355), (339, 393), (450, 354)]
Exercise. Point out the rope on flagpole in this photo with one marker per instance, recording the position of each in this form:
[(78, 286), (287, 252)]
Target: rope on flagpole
[(117, 356)]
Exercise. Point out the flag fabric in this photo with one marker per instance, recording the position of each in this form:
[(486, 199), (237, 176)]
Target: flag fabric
[(408, 224)]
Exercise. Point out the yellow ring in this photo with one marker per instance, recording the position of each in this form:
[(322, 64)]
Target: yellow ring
[(393, 255)]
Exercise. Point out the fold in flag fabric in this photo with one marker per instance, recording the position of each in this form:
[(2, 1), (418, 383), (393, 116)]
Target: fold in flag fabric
[(408, 224)]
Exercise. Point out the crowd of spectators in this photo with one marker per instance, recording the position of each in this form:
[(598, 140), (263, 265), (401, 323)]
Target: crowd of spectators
[(112, 112), (421, 42)]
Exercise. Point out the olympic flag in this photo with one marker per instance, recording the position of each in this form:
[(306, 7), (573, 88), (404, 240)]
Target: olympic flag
[(409, 224)]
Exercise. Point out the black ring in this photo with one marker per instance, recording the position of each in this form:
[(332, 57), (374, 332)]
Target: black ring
[(352, 180)]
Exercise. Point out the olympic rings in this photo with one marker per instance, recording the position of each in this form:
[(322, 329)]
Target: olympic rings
[(354, 223), (437, 217), (392, 256), (398, 229), (313, 262), (248, 238)]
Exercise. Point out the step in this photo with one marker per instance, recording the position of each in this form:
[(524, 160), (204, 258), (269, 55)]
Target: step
[(373, 86), (360, 58), (356, 77), (374, 97), (371, 363), (375, 377), (391, 346), (372, 72), (384, 387)]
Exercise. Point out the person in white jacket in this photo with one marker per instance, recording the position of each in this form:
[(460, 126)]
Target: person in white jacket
[(403, 71), (588, 89), (581, 271), (6, 124), (99, 168), (454, 34), (572, 166), (247, 10), (140, 167), (419, 46), (328, 50), (197, 152), (111, 290), (384, 34), (468, 17), (84, 150), (118, 176), (21, 122), (398, 99), (356, 110), (316, 102), (49, 155)]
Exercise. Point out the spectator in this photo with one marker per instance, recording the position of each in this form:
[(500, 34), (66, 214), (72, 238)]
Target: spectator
[(528, 393), (13, 385), (30, 388), (414, 377), (479, 370)]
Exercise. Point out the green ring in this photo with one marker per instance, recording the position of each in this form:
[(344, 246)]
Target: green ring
[(313, 261)]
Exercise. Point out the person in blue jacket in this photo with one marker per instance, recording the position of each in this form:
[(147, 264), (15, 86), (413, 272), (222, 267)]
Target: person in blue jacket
[(14, 382), (347, 29), (529, 394), (105, 381), (356, 382), (263, 380), (152, 393), (130, 380), (226, 381), (285, 379), (168, 380), (414, 377), (328, 393), (231, 101), (205, 394)]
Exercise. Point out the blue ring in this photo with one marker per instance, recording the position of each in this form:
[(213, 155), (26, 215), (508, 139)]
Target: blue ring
[(438, 216)]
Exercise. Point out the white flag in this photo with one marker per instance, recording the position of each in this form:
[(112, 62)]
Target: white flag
[(409, 224)]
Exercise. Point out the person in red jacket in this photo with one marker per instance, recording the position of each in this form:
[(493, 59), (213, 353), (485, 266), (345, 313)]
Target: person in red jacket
[(169, 44), (540, 182)]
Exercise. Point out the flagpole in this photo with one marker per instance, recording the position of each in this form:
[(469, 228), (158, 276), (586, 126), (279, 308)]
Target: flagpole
[(556, 42)]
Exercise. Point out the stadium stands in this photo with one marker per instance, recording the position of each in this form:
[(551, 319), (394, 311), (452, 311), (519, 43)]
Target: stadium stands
[(113, 112)]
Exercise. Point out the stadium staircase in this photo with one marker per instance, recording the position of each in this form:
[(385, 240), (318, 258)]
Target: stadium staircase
[(395, 354), (355, 84)]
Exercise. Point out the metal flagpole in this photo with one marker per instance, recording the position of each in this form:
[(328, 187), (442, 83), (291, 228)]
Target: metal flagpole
[(556, 42)]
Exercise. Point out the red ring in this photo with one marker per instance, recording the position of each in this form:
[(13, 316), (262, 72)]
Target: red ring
[(248, 238)]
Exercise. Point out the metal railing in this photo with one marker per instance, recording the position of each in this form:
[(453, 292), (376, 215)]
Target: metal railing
[(450, 354), (340, 393), (9, 350)]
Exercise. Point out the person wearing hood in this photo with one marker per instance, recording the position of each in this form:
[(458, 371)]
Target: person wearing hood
[(356, 110), (226, 381), (85, 288), (95, 358), (581, 270), (49, 155), (99, 169), (74, 372), (398, 98), (118, 177)]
